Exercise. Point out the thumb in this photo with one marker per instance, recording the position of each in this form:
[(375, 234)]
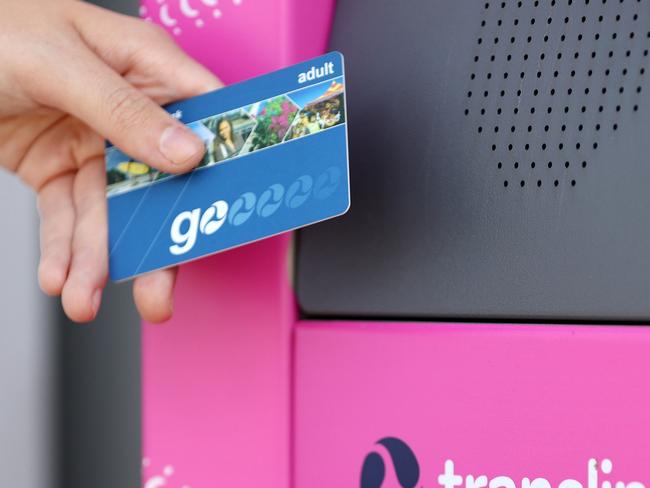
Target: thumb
[(94, 93)]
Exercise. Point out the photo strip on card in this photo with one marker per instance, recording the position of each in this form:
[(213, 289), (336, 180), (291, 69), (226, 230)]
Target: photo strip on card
[(242, 131)]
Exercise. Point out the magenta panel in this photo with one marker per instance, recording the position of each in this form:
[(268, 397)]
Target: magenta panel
[(216, 379), (496, 400)]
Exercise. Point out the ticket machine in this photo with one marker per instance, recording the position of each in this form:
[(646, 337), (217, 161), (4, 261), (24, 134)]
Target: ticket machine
[(477, 319)]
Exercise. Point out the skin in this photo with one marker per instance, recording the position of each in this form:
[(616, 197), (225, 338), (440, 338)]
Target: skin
[(73, 75)]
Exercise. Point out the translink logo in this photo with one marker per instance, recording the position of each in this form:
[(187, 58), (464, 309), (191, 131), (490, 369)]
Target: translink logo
[(407, 473)]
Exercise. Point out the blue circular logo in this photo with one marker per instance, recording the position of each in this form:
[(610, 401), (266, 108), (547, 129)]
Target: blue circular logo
[(270, 200), (327, 183), (242, 209), (299, 191)]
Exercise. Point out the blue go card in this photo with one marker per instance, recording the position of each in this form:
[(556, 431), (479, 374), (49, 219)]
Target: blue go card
[(276, 159)]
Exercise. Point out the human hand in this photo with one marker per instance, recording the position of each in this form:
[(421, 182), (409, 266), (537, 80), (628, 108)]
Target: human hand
[(73, 74)]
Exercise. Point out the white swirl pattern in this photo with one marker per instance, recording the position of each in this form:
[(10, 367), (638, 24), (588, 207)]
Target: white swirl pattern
[(197, 11), (159, 481)]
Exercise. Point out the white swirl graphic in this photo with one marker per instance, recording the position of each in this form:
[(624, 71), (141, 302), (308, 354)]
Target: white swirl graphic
[(159, 481), (189, 9), (155, 482), (165, 18)]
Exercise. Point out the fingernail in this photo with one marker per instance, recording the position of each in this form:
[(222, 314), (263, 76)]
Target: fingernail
[(97, 300), (180, 145)]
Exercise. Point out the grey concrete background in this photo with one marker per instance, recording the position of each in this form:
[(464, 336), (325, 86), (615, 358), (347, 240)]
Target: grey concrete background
[(27, 347)]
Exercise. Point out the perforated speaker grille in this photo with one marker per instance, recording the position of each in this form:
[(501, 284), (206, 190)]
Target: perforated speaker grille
[(552, 81), (500, 163)]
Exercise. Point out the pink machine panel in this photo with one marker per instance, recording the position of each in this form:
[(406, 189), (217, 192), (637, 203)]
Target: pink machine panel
[(477, 405), (238, 392)]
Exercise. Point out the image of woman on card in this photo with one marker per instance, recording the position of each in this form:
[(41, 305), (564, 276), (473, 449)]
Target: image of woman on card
[(227, 143)]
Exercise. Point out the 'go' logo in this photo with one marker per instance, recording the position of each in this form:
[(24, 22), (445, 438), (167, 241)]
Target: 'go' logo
[(208, 223), (187, 225)]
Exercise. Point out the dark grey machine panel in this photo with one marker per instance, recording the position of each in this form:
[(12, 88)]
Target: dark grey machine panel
[(99, 426), (500, 163)]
